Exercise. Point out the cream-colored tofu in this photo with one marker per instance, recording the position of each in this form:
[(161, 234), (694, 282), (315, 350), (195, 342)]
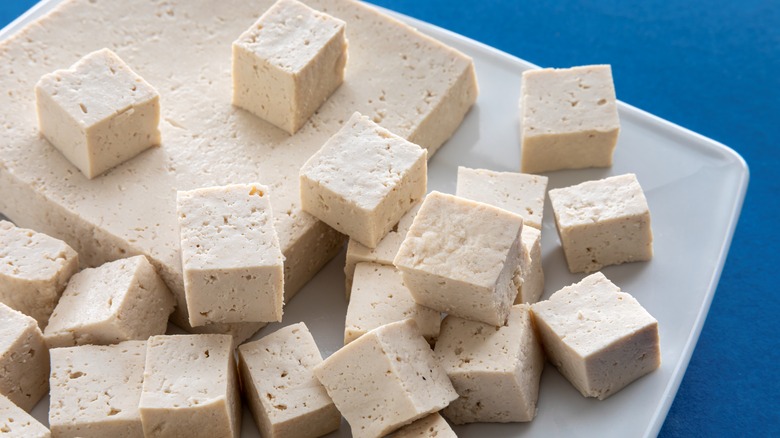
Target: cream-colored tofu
[(95, 390), (462, 257), (34, 270), (119, 301), (16, 423), (233, 264), (24, 359), (98, 113), (288, 63), (432, 426), (599, 338), (385, 379), (532, 286), (190, 388), (379, 297), (363, 180), (285, 398), (568, 118), (602, 223)]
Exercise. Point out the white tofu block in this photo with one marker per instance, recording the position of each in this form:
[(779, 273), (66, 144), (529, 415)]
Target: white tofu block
[(602, 223), (118, 301), (598, 337), (379, 297), (95, 390), (288, 63), (98, 113), (233, 264), (363, 180), (24, 359), (190, 388), (532, 286), (568, 118), (432, 426), (16, 423), (385, 379), (34, 270), (285, 398), (462, 257)]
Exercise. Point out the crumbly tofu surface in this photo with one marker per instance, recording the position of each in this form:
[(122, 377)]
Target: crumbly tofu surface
[(118, 301), (568, 118), (599, 338), (95, 390), (34, 270), (602, 223), (532, 287), (432, 426), (16, 423), (285, 398), (288, 63), (385, 379), (24, 359)]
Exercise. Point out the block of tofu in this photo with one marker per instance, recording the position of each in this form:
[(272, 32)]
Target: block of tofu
[(379, 297), (190, 387), (462, 257), (568, 118), (24, 359), (602, 223), (118, 301), (496, 371), (285, 398), (432, 426), (98, 113), (232, 261), (288, 63), (34, 270), (363, 180), (532, 287), (385, 379), (599, 338), (16, 423), (95, 390)]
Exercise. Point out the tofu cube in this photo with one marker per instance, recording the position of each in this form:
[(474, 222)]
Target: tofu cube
[(95, 390), (432, 426), (190, 387), (598, 337), (285, 398), (16, 423), (463, 257), (98, 113), (34, 270), (385, 379), (119, 301), (24, 359), (532, 287), (602, 223), (232, 260), (288, 63), (568, 118)]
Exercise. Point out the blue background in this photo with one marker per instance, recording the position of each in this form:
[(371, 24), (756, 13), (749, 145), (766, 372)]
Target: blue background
[(710, 66)]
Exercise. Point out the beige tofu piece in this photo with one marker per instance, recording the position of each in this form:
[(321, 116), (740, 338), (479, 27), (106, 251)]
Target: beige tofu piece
[(190, 388), (16, 423), (363, 180), (95, 390), (532, 287), (385, 379), (599, 338), (98, 113), (568, 118), (432, 426), (379, 297), (233, 264), (602, 223), (34, 270), (462, 257), (288, 63), (24, 359), (285, 398), (119, 301)]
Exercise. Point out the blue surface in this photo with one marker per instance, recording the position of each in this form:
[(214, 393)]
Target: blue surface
[(710, 66)]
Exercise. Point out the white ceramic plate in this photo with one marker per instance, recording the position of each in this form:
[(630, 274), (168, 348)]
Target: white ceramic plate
[(694, 186)]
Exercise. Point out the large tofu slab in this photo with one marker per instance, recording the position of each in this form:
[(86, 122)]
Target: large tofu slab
[(24, 359), (16, 423)]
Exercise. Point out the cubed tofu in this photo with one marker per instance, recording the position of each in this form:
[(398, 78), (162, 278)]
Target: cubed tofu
[(16, 423), (432, 426), (532, 287), (24, 359)]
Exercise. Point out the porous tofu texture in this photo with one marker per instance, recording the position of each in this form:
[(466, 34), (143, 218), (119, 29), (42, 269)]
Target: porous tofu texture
[(532, 286), (432, 426), (24, 359), (16, 423)]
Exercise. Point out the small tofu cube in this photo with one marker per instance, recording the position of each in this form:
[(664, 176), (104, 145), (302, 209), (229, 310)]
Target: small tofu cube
[(95, 390), (462, 257), (24, 359), (98, 113), (602, 223), (532, 287), (598, 337), (385, 379), (568, 118), (285, 398), (432, 426), (16, 423), (119, 301), (288, 63), (34, 270), (190, 387)]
